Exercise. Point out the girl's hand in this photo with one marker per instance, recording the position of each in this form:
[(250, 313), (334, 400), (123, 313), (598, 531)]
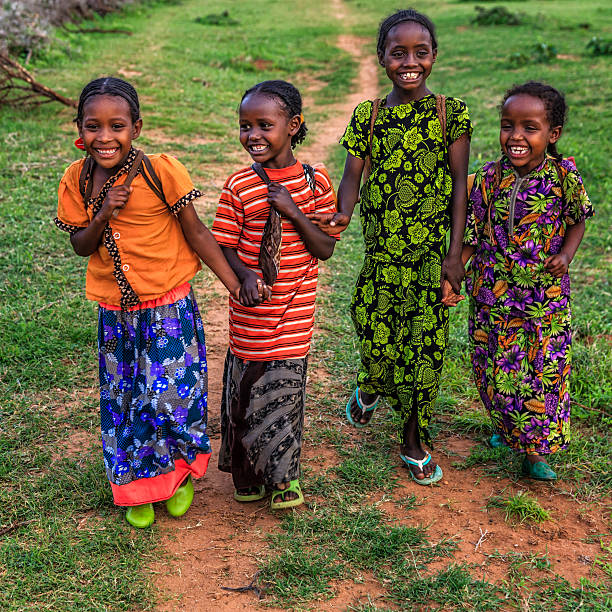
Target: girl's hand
[(115, 200), (453, 271), (253, 290), (557, 265), (449, 297), (280, 198), (330, 223)]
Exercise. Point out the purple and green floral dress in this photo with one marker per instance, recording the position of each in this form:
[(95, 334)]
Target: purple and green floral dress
[(520, 318)]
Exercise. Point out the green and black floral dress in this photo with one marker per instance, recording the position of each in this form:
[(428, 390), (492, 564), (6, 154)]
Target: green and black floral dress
[(405, 215)]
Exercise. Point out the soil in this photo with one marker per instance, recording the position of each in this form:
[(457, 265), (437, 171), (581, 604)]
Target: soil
[(219, 541)]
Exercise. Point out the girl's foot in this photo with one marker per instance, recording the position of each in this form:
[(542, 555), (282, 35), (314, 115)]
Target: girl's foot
[(286, 495), (179, 503), (360, 408), (536, 467), (140, 516), (423, 468), (249, 494)]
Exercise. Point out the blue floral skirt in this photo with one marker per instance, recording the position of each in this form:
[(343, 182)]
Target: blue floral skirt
[(153, 399)]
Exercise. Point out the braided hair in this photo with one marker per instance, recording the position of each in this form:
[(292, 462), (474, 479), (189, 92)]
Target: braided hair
[(290, 100), (109, 86), (554, 103), (398, 17)]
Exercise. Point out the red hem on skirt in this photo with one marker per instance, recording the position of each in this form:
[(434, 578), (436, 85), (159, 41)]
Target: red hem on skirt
[(159, 488)]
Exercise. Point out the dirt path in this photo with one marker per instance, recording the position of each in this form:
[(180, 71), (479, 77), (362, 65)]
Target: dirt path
[(219, 540), (217, 543)]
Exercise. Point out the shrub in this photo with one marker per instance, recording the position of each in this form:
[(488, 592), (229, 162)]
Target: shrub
[(496, 15), (599, 46)]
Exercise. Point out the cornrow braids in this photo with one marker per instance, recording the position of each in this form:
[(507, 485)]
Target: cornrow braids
[(554, 103), (398, 17), (290, 100), (109, 86)]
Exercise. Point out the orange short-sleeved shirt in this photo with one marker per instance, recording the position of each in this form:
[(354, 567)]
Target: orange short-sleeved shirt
[(280, 328), (143, 253)]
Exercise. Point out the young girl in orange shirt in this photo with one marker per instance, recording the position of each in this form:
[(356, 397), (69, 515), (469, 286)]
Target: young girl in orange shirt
[(133, 216)]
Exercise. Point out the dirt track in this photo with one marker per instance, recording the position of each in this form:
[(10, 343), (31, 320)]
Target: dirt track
[(218, 542)]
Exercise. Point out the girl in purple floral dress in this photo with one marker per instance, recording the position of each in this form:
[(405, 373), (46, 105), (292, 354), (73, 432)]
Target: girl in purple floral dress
[(526, 217)]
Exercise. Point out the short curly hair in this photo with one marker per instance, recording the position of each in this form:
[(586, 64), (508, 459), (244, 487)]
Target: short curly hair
[(290, 100), (399, 17), (554, 103)]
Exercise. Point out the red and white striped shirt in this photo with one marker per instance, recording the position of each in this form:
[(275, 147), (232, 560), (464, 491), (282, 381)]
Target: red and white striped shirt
[(280, 328)]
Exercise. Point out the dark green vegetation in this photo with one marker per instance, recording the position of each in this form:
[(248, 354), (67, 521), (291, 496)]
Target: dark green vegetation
[(69, 548)]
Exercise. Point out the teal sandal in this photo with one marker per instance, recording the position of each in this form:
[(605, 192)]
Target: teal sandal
[(421, 463), (538, 471), (294, 487), (496, 441), (354, 401), (250, 497)]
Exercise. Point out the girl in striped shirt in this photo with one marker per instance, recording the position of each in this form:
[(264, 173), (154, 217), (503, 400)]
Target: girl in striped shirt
[(262, 409)]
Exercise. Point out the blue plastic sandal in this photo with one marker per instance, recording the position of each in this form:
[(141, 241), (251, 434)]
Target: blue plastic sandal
[(354, 400), (538, 471), (421, 463), (496, 441)]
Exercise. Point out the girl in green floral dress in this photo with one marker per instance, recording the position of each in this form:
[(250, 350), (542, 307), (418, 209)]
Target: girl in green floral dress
[(415, 193)]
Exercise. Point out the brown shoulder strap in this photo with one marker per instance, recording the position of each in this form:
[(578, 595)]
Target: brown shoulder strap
[(152, 180), (134, 169), (561, 173), (258, 169), (375, 109), (367, 166), (441, 111), (86, 185)]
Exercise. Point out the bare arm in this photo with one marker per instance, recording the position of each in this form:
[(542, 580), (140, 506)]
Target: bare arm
[(348, 194), (253, 290), (459, 155), (87, 240), (558, 264), (204, 244)]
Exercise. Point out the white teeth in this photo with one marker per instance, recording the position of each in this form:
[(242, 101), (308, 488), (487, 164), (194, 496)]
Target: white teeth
[(107, 152), (258, 148), (518, 150), (409, 76)]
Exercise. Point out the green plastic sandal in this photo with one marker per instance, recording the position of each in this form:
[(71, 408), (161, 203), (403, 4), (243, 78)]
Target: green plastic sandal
[(179, 503), (250, 497), (140, 516), (294, 487)]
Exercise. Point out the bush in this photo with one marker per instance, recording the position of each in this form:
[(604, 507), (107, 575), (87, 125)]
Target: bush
[(497, 15), (599, 46), (541, 53), (26, 25)]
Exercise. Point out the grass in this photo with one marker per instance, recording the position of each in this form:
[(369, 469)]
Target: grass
[(520, 507), (68, 547)]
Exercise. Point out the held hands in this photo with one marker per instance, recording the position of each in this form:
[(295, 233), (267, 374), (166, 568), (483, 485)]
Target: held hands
[(453, 271), (558, 264), (330, 223), (254, 291), (449, 297), (115, 200)]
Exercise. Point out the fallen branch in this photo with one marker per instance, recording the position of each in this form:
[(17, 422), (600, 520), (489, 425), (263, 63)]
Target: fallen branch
[(252, 586), (482, 538), (12, 77), (97, 31), (12, 527)]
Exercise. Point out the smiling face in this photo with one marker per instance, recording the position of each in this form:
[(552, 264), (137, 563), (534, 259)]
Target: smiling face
[(107, 130), (408, 59), (266, 130), (525, 132)]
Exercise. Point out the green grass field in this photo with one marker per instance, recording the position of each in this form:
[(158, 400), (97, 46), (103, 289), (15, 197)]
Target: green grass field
[(63, 546)]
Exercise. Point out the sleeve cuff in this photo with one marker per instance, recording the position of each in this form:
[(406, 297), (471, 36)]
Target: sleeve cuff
[(194, 194)]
